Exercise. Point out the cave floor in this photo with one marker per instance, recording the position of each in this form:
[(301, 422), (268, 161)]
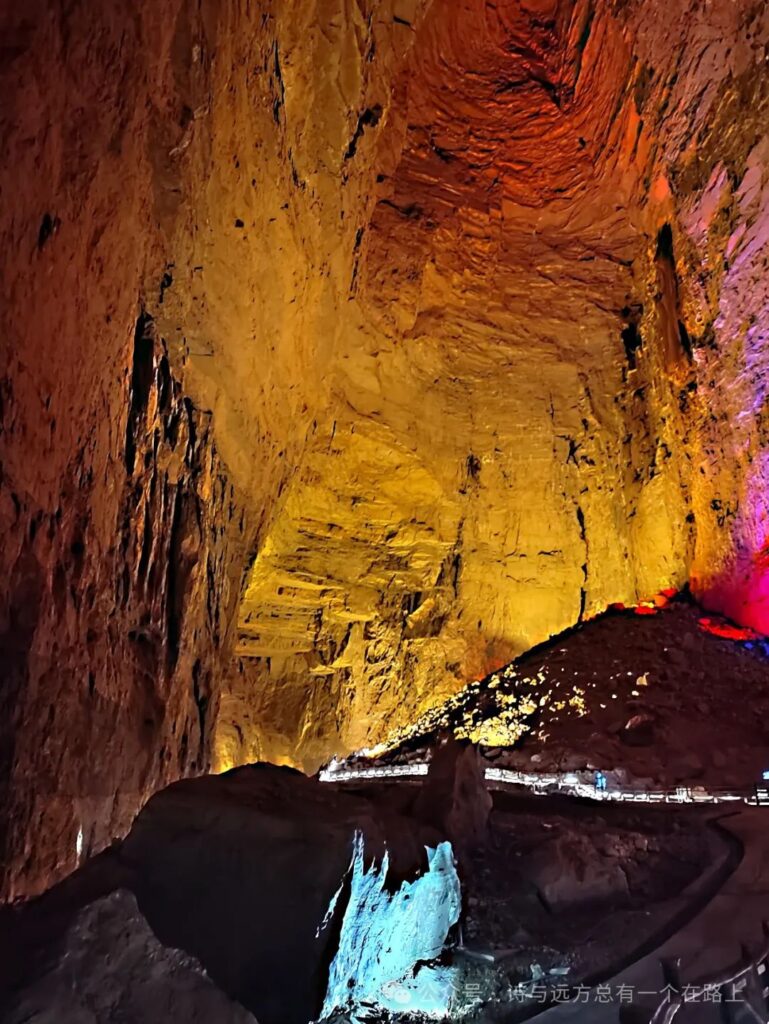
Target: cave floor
[(576, 889)]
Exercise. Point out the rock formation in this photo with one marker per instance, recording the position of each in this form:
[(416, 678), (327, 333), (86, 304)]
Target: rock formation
[(306, 901), (295, 897), (349, 351), (389, 940), (112, 968), (454, 797), (276, 848)]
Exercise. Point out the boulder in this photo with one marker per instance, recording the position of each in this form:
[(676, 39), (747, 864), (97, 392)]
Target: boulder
[(241, 871), (569, 870), (454, 798), (687, 767), (638, 731), (111, 969)]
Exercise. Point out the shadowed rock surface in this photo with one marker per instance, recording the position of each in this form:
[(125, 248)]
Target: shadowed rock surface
[(454, 797), (110, 969), (240, 870)]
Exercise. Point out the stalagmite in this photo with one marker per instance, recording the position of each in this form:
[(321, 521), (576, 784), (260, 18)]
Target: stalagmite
[(388, 939)]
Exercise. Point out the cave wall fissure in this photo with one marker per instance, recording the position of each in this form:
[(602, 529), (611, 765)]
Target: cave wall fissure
[(122, 659)]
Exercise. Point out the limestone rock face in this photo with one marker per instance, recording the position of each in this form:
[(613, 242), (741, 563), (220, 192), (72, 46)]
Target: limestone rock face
[(387, 940), (548, 394), (185, 166), (457, 317), (112, 968), (114, 622)]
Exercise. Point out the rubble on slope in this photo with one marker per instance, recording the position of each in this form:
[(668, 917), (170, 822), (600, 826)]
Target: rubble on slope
[(661, 699)]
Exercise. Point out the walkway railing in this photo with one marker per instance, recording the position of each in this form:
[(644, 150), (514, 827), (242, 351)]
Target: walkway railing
[(567, 783)]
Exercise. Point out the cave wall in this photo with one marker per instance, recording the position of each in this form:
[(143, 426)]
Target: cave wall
[(176, 247), (549, 397), (77, 232), (374, 341)]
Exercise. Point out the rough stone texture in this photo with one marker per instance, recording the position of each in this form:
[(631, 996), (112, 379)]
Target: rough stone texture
[(240, 871), (698, 704), (389, 940), (454, 796), (184, 163), (111, 969), (466, 303), (114, 624), (214, 859), (550, 394), (569, 870), (115, 514), (653, 701)]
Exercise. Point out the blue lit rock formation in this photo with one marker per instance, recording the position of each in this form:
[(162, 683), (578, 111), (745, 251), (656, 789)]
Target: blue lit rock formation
[(388, 939)]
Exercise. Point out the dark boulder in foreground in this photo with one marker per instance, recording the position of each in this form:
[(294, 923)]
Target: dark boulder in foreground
[(240, 870), (249, 873), (110, 969)]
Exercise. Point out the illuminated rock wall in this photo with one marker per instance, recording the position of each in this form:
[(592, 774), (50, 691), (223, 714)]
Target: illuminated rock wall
[(457, 337), (116, 620), (549, 395), (184, 164)]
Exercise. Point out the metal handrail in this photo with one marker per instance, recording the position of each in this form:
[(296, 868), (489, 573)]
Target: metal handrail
[(567, 783)]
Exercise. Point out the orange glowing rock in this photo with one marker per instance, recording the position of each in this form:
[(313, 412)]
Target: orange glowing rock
[(726, 630), (660, 190)]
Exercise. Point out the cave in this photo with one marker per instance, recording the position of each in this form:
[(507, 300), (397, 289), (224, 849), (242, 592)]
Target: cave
[(385, 548)]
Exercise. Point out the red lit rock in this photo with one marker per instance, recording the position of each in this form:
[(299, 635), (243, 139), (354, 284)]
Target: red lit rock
[(726, 630)]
